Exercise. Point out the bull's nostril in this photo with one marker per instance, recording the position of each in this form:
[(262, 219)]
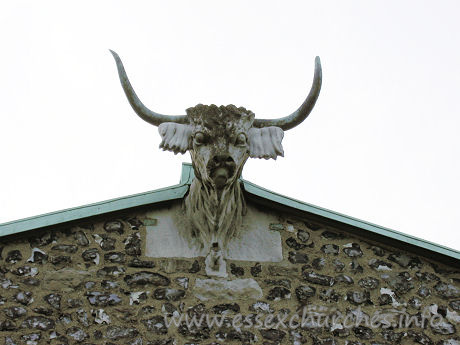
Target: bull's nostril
[(229, 159)]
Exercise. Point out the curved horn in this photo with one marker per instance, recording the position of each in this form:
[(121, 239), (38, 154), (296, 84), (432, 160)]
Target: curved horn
[(304, 110), (144, 113)]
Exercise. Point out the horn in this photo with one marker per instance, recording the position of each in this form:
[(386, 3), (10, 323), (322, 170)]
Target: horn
[(304, 110), (144, 113)]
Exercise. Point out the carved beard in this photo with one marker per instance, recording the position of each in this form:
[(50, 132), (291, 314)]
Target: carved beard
[(215, 216)]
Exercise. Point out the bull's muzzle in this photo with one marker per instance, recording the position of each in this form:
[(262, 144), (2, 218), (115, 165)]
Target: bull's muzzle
[(221, 169)]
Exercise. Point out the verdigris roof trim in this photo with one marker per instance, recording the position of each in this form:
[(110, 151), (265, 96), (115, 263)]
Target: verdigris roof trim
[(71, 214), (251, 188), (180, 190)]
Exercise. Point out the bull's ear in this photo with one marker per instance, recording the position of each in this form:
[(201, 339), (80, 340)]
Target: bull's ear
[(265, 142), (175, 136)]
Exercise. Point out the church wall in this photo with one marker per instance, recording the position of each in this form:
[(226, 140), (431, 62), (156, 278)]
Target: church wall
[(91, 283)]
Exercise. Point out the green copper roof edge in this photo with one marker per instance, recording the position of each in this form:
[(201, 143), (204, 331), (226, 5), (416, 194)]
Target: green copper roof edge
[(302, 206), (63, 216), (179, 191)]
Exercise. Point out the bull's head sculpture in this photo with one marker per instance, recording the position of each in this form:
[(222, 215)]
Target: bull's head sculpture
[(220, 140)]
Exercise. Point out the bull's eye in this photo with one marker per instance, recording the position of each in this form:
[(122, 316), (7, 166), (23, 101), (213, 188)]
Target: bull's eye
[(241, 140), (199, 139)]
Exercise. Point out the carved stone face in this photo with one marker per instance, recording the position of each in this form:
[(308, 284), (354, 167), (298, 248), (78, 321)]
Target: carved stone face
[(219, 143), (220, 140)]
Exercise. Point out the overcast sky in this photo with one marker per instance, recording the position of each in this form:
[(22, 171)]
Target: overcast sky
[(381, 145)]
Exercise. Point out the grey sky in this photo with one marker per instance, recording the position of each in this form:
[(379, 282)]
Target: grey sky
[(381, 144)]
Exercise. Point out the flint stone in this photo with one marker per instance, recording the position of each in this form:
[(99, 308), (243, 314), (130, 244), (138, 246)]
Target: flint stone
[(455, 305), (356, 267), (145, 277), (353, 251), (339, 266), (423, 291), (369, 283), (450, 341), (24, 297), (329, 295), (25, 271), (256, 270), (133, 244), (319, 279), (304, 292), (114, 226), (427, 277), (330, 235), (261, 307), (279, 293), (134, 223), (282, 270), (380, 265), (110, 271), (276, 227), (31, 339), (392, 336), (38, 322), (343, 278), (53, 300), (168, 294), (404, 260), (330, 249), (42, 240), (80, 238), (60, 259), (386, 299), (444, 328), (413, 302), (156, 324), (182, 281), (91, 254), (67, 248), (13, 256), (102, 299), (291, 242), (303, 236), (65, 279), (77, 334), (447, 291), (82, 317), (231, 334), (114, 257), (298, 258), (107, 284), (358, 297), (38, 256), (119, 332), (378, 251), (135, 262), (226, 308), (319, 263), (273, 334), (210, 289), (420, 337), (9, 341), (7, 325), (43, 311), (14, 312), (105, 242), (280, 282), (194, 333), (237, 271), (5, 283)]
